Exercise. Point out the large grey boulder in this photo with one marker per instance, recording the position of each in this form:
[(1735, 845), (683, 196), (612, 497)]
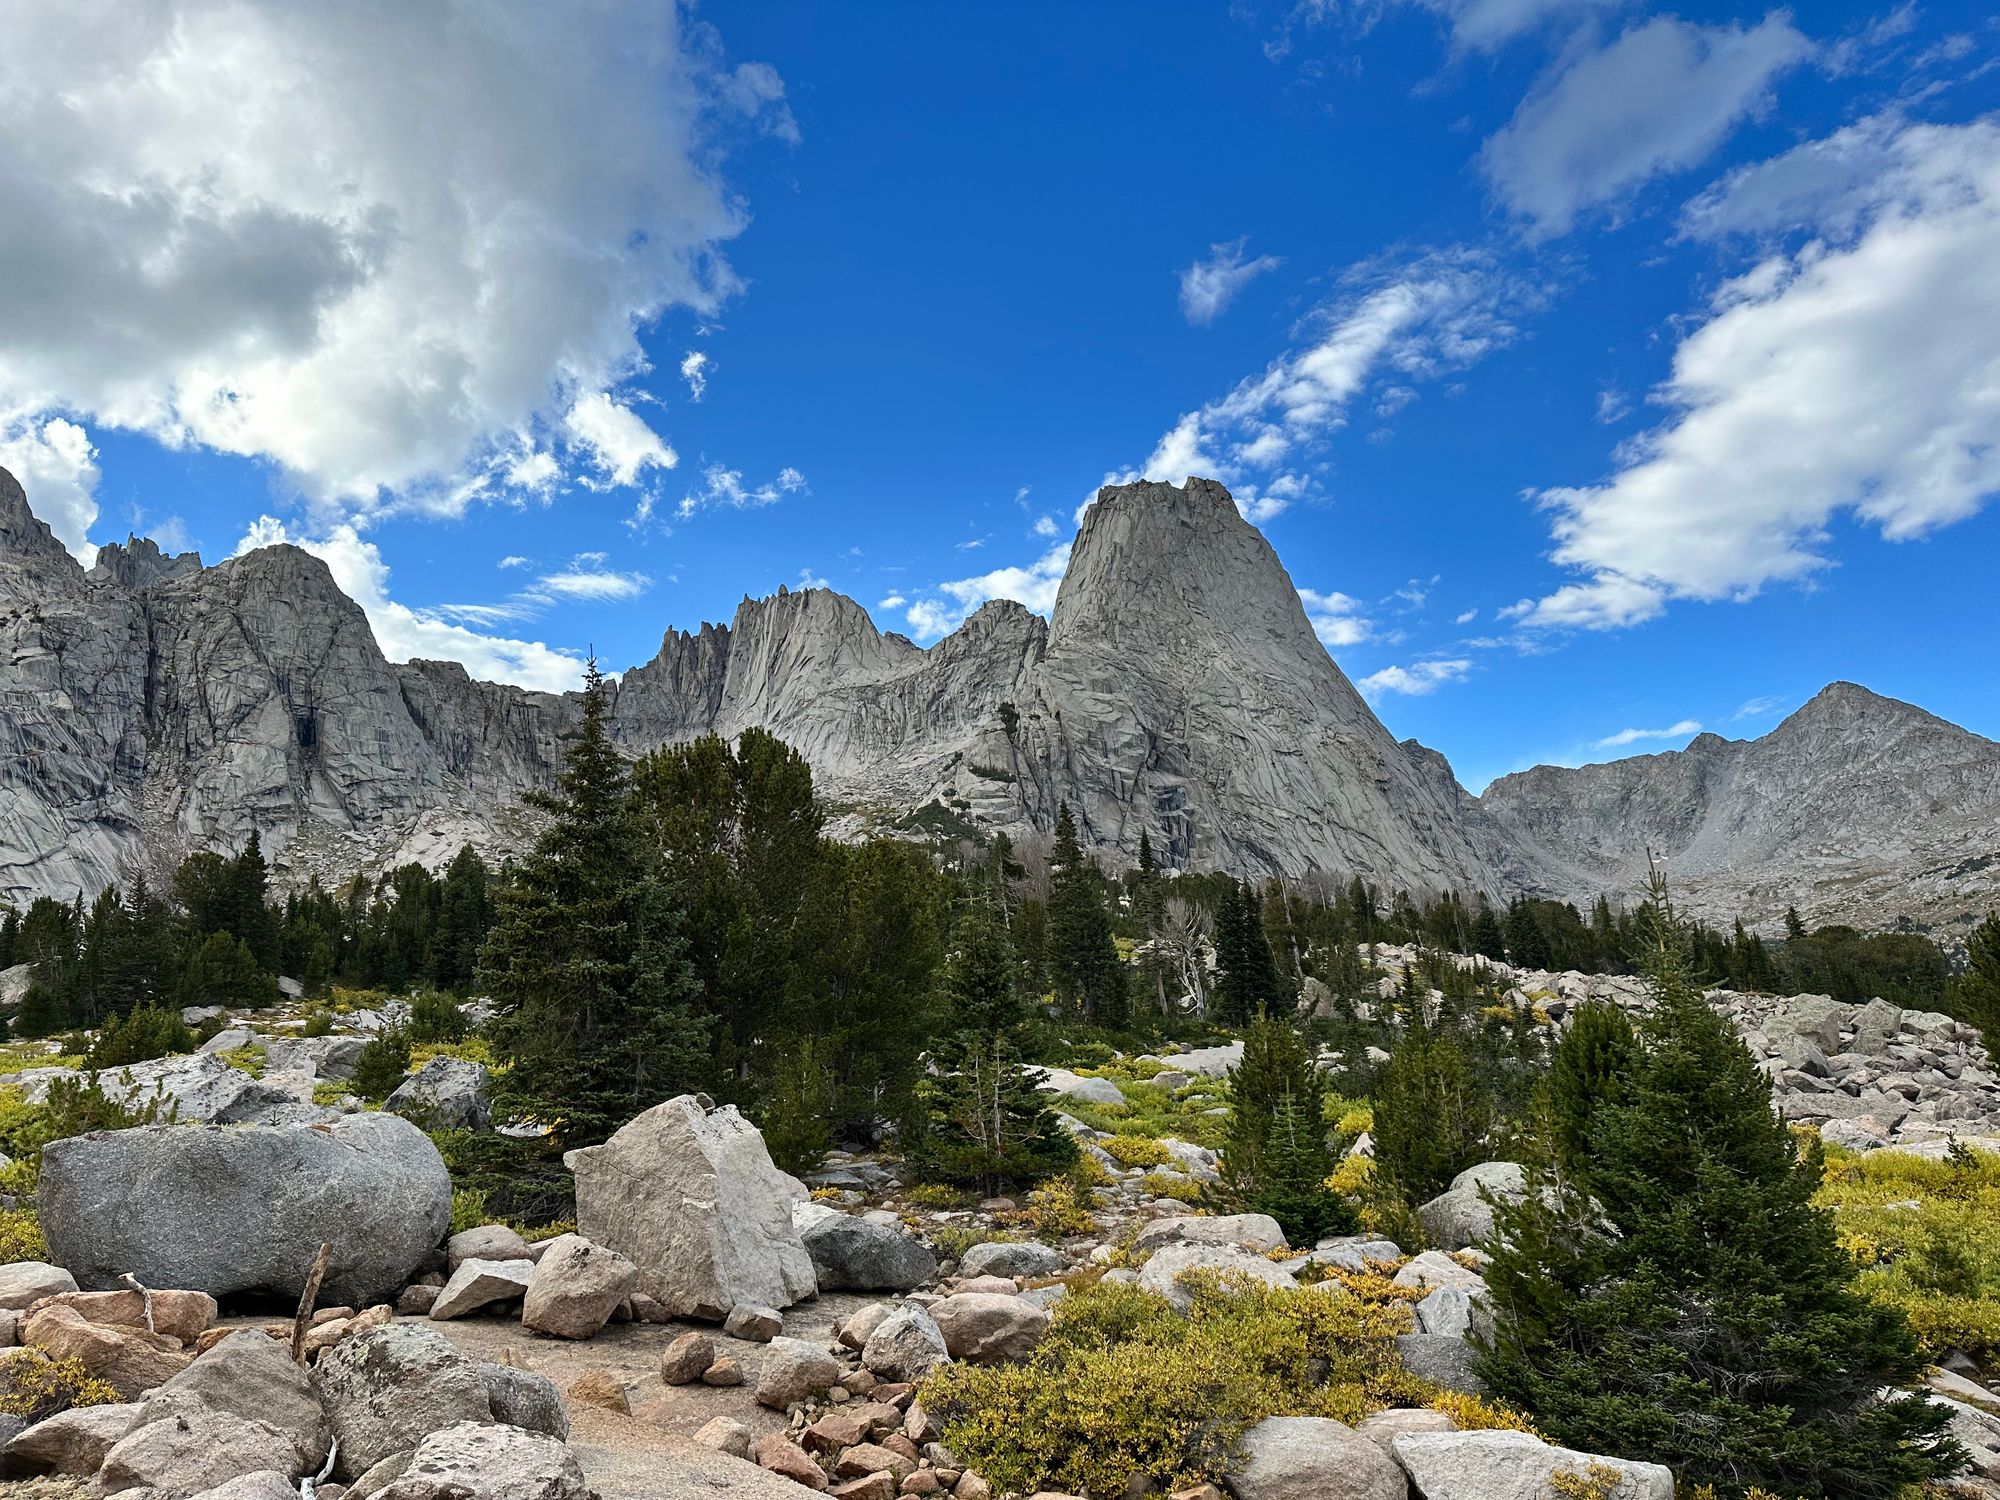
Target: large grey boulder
[(190, 1088), (330, 1057), (250, 1374), (150, 1202), (1312, 1458), (850, 1254), (1494, 1465), (70, 1442), (446, 1093), (25, 1282), (689, 1195), (1441, 1358), (906, 1345), (487, 1461), (1253, 1232), (525, 1398), (1462, 1216), (477, 1284), (1016, 1258), (793, 1370), (388, 1389), (575, 1288), (1070, 1085), (986, 1327), (195, 1450)]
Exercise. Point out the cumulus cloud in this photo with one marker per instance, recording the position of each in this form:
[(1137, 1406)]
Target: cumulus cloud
[(1658, 99), (1486, 25), (616, 440), (404, 633), (379, 246), (724, 487), (1853, 371), (513, 560), (1417, 680), (1632, 736), (56, 464), (1398, 323), (1337, 618), (694, 370), (1209, 286), (1045, 526), (947, 605)]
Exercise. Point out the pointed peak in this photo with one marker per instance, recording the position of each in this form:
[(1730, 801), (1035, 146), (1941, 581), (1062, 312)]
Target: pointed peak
[(25, 538)]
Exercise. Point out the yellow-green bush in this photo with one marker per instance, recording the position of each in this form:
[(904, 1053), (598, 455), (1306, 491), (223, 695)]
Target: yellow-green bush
[(1479, 1413), (34, 1385), (21, 1236), (1926, 1234), (1136, 1151), (1166, 1185), (1123, 1386), (248, 1058), (472, 1049), (1059, 1208), (935, 1195)]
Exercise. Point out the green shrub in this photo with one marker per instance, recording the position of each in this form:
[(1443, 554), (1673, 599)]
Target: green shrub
[(382, 1065), (1060, 1208), (1136, 1151), (21, 1236), (248, 1058), (141, 1036), (436, 1017), (1124, 1388), (319, 1023), (38, 1386)]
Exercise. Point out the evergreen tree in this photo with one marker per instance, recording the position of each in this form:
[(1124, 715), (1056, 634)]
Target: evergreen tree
[(1977, 993), (464, 917), (1527, 944), (1431, 1119), (979, 975), (1586, 1075), (1275, 1159), (223, 971), (1691, 1303), (1150, 899), (1487, 938), (980, 1121), (1795, 928), (587, 964), (796, 1114), (1084, 963)]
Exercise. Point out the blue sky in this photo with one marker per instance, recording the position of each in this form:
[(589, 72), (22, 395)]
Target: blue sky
[(1600, 370)]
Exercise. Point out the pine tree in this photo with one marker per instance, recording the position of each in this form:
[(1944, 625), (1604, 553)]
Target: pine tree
[(1977, 993), (1431, 1119), (1275, 1159), (1487, 938), (1795, 927), (464, 917), (1527, 944), (1587, 1075), (980, 1121), (587, 963), (1691, 1303), (979, 975), (1089, 977)]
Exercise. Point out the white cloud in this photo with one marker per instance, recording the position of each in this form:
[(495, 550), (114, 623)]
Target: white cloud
[(1337, 618), (1416, 680), (1658, 99), (512, 561), (379, 246), (595, 582), (404, 633), (1209, 286), (894, 601), (724, 487), (1402, 322), (1466, 618), (56, 464), (694, 370), (1757, 708), (1034, 585), (1486, 25), (1858, 372), (1045, 526), (615, 440), (808, 579), (1633, 737)]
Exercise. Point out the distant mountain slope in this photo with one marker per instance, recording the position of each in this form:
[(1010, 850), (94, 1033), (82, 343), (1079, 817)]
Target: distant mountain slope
[(1857, 808)]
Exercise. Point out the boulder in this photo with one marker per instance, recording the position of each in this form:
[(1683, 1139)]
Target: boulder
[(575, 1288), (26, 1282), (1161, 1274), (525, 1398), (129, 1359), (985, 1328), (333, 1058), (687, 1359), (487, 1242), (388, 1389), (690, 1197), (196, 1088), (1498, 1465), (488, 1461), (70, 1442), (178, 1315), (250, 1374), (1462, 1216), (446, 1093), (725, 1435), (1441, 1358), (1015, 1258), (1075, 1086), (480, 1283), (1817, 1018), (1256, 1233), (780, 1455), (1434, 1268), (753, 1324), (850, 1254), (906, 1345), (148, 1201), (794, 1370), (1382, 1428), (265, 1484), (855, 1331), (1312, 1458), (195, 1450)]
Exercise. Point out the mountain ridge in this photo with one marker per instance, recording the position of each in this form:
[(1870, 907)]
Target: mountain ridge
[(1177, 689)]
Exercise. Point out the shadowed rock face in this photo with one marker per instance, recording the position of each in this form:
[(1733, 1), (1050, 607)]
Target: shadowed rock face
[(151, 707)]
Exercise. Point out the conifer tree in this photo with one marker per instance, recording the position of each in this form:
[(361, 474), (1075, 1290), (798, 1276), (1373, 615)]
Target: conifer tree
[(1527, 944), (1275, 1158), (1586, 1075), (980, 1121), (1795, 927), (1083, 961), (1487, 938), (464, 917), (1431, 1119), (587, 964), (979, 974), (1978, 991), (1690, 1302)]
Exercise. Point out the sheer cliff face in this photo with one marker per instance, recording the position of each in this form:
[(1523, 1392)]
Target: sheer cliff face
[(1857, 808)]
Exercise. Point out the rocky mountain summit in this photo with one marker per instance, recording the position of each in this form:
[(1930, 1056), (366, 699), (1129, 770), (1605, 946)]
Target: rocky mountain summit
[(1857, 807), (151, 706)]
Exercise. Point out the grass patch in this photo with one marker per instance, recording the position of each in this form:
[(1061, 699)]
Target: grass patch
[(1153, 1113)]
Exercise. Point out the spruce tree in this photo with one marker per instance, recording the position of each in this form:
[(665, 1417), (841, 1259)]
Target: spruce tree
[(1275, 1158), (1431, 1118), (980, 1121), (979, 974), (1089, 977), (587, 964), (1690, 1303), (1978, 990), (1586, 1075), (1487, 938)]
